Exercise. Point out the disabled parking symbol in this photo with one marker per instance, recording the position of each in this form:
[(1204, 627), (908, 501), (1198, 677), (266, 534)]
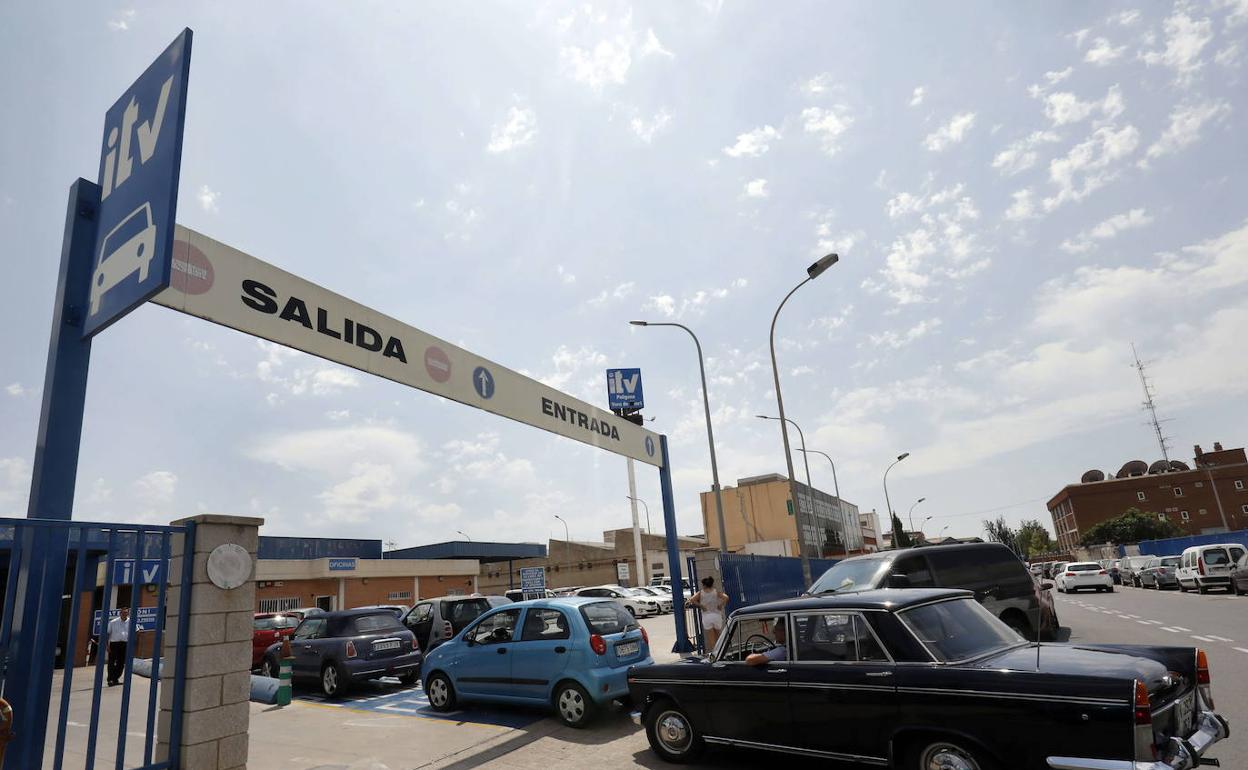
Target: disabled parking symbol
[(483, 382)]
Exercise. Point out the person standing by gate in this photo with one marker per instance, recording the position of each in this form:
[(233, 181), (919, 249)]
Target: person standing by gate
[(712, 602), (118, 639)]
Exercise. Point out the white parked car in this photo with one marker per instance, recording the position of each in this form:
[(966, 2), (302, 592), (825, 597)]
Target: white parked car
[(663, 598), (637, 606), (1208, 566), (1078, 575)]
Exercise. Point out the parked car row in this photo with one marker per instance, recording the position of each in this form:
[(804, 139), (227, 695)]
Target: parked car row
[(1199, 568)]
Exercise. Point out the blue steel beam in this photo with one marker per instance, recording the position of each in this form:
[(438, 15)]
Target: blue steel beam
[(673, 551)]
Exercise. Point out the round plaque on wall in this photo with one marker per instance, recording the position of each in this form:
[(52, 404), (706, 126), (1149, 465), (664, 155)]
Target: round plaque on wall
[(229, 566)]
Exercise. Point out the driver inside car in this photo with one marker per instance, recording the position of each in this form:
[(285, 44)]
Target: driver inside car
[(779, 652)]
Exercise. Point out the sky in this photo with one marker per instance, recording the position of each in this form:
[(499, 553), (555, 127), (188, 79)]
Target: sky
[(1017, 193)]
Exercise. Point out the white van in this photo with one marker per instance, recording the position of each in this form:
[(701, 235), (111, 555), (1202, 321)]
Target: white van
[(1207, 566)]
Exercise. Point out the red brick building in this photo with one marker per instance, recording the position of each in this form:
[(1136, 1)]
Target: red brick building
[(1209, 496)]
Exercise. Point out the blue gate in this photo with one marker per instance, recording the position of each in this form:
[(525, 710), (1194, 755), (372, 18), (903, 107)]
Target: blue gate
[(71, 570)]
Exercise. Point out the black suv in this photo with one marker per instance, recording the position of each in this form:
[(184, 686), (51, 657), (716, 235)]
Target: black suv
[(999, 579)]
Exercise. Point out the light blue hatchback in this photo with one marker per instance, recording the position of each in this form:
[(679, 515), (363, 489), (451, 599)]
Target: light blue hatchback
[(571, 653)]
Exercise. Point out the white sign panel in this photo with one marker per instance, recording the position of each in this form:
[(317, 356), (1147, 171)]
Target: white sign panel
[(222, 284)]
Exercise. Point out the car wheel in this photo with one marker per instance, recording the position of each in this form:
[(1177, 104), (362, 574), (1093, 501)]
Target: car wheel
[(946, 755), (671, 734), (441, 692), (631, 611), (1019, 624), (334, 681), (1202, 589), (270, 668), (573, 705), (410, 678), (1109, 589)]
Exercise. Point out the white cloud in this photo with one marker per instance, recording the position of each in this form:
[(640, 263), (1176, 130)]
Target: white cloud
[(621, 291), (1103, 53), (1185, 39), (1126, 18), (1051, 78), (647, 130), (517, 130), (208, 199), (1064, 108), (756, 188), (828, 125), (1238, 14), (14, 486), (157, 488), (1229, 56), (916, 96), (15, 389), (607, 63), (318, 378), (692, 303), (1084, 241), (831, 323), (752, 144), (1021, 155), (897, 340), (564, 276), (1022, 208), (653, 46), (1186, 122), (122, 22), (338, 415), (818, 85), (939, 247), (1091, 164), (951, 133)]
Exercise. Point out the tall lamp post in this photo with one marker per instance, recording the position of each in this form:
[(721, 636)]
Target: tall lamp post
[(910, 515), (710, 433), (643, 505), (812, 272), (567, 544), (809, 489), (891, 514), (924, 526), (461, 532), (836, 489)]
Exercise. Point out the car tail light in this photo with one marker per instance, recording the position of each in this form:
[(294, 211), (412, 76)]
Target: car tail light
[(1102, 572), (1069, 574), (1143, 707), (598, 644), (415, 644), (350, 649), (447, 629), (1201, 564), (1203, 681), (644, 636)]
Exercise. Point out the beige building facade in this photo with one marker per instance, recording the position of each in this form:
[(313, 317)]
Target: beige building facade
[(759, 518)]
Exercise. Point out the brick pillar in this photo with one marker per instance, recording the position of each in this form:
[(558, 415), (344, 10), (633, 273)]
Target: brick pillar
[(218, 658)]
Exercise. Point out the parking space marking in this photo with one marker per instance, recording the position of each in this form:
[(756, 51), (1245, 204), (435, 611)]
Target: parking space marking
[(1241, 649), (1170, 629), (388, 698), (1185, 630), (1220, 638), (1202, 638)]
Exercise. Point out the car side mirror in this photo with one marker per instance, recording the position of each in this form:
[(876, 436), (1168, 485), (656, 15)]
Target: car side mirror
[(898, 580), (1046, 586)]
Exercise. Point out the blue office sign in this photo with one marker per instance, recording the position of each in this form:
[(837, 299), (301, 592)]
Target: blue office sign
[(624, 389), (533, 582), (149, 572), (144, 619), (342, 565), (139, 165)]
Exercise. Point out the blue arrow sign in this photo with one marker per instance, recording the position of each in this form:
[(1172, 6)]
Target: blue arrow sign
[(140, 160), (483, 382)]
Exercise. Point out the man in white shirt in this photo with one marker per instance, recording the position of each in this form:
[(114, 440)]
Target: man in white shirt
[(118, 638)]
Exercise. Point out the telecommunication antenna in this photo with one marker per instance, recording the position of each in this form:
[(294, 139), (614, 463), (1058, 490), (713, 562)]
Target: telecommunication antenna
[(1150, 406)]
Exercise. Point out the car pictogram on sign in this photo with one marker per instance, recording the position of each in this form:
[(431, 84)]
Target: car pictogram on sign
[(128, 248)]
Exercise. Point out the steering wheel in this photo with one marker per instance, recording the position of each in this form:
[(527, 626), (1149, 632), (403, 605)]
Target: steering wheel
[(769, 643)]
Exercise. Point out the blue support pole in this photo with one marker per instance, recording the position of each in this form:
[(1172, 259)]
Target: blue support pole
[(38, 615), (673, 551)]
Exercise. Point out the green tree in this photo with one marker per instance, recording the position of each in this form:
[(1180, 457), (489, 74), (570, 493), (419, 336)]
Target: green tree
[(901, 538), (1000, 532), (1034, 539), (1131, 527)]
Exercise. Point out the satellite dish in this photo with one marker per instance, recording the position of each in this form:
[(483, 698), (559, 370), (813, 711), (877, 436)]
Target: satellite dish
[(1091, 476), (1178, 465), (1133, 468), (1161, 466)]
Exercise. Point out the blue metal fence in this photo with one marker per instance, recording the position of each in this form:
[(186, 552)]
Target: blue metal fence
[(78, 550), (1175, 545)]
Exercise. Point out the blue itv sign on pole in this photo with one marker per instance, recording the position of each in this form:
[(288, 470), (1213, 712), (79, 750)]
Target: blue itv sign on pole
[(624, 389), (139, 165), (150, 572)]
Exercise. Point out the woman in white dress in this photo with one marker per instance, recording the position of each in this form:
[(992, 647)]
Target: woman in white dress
[(712, 602)]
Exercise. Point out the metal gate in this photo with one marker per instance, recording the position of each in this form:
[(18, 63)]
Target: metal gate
[(63, 581)]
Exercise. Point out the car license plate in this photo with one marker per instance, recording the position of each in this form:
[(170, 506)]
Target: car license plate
[(627, 649), (392, 644), (1183, 714)]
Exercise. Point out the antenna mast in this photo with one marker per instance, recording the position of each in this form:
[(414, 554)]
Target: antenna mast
[(1149, 405)]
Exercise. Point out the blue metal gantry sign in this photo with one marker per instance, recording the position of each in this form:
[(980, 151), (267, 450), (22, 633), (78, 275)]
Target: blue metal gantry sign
[(624, 389), (139, 166)]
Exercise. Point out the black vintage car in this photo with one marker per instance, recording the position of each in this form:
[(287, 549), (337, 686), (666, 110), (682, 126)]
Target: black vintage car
[(916, 679)]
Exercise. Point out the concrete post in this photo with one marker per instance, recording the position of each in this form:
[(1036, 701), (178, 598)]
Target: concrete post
[(218, 658)]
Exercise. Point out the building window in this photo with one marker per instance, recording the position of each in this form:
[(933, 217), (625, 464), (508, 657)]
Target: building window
[(1199, 484), (1140, 496), (1162, 516), (279, 605), (1178, 491), (1244, 508), (1185, 515), (1239, 484), (398, 596), (1203, 512)]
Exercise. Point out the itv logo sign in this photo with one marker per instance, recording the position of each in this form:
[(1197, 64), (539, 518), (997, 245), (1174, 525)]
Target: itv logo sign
[(624, 389)]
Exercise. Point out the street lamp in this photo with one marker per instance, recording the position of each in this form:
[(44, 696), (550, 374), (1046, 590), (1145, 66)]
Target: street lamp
[(459, 532), (812, 272), (941, 534), (810, 489), (891, 514), (924, 526), (910, 515), (836, 488), (567, 544), (643, 505), (710, 433)]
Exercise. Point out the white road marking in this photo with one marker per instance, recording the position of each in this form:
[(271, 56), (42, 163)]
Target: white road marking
[(1171, 630), (1181, 628), (1241, 649), (1152, 622), (1202, 638), (1220, 638), (1144, 622), (1131, 616)]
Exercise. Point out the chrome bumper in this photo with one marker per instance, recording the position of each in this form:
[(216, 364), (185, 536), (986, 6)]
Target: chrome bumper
[(636, 717), (1182, 753)]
